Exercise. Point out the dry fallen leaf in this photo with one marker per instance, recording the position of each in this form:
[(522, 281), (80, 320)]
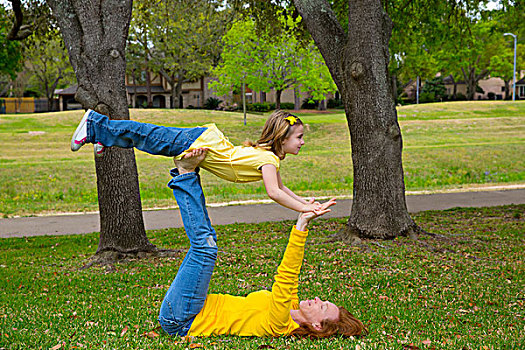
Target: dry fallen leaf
[(124, 331), (196, 345), (151, 334), (56, 347)]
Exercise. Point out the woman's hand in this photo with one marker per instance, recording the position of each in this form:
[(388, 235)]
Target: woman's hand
[(305, 218), (311, 206)]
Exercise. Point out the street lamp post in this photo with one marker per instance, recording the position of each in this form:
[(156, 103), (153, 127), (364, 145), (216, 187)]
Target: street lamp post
[(514, 79)]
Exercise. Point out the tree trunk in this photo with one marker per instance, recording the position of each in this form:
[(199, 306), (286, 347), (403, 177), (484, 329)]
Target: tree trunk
[(322, 105), (296, 99), (278, 94), (471, 83), (134, 99), (173, 97), (507, 89), (148, 86), (455, 90), (95, 34), (358, 64), (178, 93), (394, 88)]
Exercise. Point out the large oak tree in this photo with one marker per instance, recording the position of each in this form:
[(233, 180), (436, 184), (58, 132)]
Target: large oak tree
[(358, 61), (95, 34)]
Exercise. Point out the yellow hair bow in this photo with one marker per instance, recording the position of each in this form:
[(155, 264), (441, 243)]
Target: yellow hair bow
[(291, 119)]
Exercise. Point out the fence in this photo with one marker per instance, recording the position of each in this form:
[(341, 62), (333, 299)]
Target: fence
[(12, 105)]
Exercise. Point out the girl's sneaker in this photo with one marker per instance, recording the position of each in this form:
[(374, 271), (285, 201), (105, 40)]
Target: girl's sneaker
[(80, 136), (98, 148)]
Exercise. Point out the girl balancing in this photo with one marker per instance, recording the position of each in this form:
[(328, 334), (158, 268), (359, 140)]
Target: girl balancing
[(282, 134)]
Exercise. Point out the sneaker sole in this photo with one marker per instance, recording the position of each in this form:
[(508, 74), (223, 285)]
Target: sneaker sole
[(75, 145)]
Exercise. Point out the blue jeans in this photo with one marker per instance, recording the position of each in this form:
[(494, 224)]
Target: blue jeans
[(150, 138), (187, 294)]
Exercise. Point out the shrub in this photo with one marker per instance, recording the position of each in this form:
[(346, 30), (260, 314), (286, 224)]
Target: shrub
[(460, 97), (212, 103), (334, 103), (309, 104), (434, 86), (287, 105), (225, 106), (491, 96), (259, 107), (426, 97)]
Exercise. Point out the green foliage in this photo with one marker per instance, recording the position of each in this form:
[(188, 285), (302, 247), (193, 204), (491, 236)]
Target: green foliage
[(286, 106), (260, 106), (462, 289), (335, 103), (309, 103), (267, 62), (426, 97), (460, 97), (433, 90), (48, 63), (10, 51), (177, 39), (212, 103)]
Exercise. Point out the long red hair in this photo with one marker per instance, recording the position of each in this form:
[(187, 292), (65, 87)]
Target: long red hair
[(347, 325)]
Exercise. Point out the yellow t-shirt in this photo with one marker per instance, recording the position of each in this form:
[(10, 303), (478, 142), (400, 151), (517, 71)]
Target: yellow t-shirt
[(231, 163), (261, 313)]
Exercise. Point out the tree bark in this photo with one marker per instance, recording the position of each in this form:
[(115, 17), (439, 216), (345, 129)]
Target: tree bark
[(278, 94), (180, 80), (296, 99), (148, 85), (358, 63), (19, 31), (95, 34)]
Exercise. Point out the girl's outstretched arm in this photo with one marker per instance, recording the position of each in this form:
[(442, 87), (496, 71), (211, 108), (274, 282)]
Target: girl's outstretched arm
[(289, 191), (271, 181)]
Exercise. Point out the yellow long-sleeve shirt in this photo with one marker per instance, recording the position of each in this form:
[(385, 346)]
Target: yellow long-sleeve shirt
[(261, 313)]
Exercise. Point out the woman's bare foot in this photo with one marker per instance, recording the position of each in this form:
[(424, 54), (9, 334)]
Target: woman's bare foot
[(191, 160)]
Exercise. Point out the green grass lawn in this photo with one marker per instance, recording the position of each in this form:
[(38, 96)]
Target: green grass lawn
[(446, 145), (466, 293)]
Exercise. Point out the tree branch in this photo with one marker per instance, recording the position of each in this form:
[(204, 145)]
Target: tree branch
[(19, 31), (326, 31)]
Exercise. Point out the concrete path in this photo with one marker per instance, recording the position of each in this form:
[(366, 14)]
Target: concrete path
[(160, 219)]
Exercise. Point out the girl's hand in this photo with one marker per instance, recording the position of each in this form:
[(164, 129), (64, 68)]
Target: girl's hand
[(311, 206), (306, 217)]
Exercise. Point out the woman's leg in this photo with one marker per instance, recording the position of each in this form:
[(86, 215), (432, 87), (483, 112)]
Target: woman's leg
[(187, 294), (150, 138)]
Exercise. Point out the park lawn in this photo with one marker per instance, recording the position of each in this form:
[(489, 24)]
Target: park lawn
[(446, 146), (460, 291)]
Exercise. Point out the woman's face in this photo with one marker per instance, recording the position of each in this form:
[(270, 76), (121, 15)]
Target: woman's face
[(315, 311), (293, 143)]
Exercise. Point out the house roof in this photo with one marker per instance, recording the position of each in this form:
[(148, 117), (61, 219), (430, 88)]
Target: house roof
[(521, 81), (155, 89), (68, 91), (449, 80)]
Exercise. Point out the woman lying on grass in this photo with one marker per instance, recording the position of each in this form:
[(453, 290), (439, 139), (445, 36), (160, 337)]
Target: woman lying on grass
[(187, 309)]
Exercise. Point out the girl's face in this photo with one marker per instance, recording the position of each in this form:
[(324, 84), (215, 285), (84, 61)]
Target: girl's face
[(293, 143)]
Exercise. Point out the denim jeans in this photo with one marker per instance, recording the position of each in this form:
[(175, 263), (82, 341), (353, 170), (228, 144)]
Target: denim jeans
[(150, 138), (187, 294)]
